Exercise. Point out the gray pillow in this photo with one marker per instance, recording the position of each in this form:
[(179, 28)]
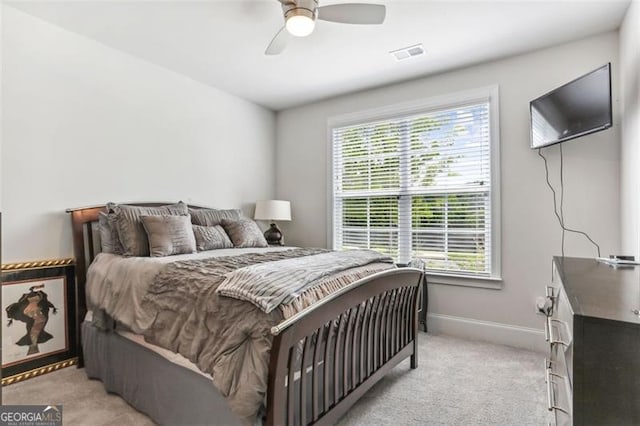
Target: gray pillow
[(109, 241), (244, 233), (130, 229), (211, 238), (169, 235), (213, 217)]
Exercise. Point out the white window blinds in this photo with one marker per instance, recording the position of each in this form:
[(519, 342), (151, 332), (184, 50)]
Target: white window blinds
[(417, 186)]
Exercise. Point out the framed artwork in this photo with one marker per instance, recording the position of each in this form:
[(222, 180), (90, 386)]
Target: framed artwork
[(38, 318)]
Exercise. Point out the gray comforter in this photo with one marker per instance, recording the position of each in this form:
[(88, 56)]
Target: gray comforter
[(225, 337)]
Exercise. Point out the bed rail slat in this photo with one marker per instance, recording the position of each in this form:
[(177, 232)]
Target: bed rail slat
[(414, 327), (391, 324), (371, 337), (390, 334), (357, 327), (404, 338), (346, 350), (327, 369), (379, 334), (364, 349), (405, 313), (400, 322), (409, 316), (336, 359), (320, 342), (291, 399), (303, 378), (408, 331), (90, 240), (383, 328), (414, 316)]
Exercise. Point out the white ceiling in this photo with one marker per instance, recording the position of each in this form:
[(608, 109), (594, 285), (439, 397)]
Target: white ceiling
[(221, 43)]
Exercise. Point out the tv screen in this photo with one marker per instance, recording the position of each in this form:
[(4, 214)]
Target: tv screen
[(578, 108)]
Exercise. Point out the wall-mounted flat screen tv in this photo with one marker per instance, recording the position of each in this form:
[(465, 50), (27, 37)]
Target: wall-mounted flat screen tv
[(575, 109)]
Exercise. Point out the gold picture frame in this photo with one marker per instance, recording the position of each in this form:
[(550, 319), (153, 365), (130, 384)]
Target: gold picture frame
[(38, 318)]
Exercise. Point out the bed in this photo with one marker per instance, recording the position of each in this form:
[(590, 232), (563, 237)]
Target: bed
[(320, 359)]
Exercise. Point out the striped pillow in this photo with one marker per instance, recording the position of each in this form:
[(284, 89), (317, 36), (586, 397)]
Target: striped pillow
[(244, 233), (213, 217), (211, 237), (169, 235)]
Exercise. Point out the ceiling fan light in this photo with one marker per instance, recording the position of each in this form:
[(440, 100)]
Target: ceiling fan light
[(300, 24)]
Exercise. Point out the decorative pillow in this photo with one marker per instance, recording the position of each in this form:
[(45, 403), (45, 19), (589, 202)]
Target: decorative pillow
[(130, 229), (169, 235), (244, 233), (109, 241), (211, 237), (213, 217)]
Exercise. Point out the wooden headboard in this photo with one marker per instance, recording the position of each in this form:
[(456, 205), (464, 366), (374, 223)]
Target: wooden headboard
[(84, 222)]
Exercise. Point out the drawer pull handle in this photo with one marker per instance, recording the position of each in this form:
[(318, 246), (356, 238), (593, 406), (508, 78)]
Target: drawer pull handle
[(551, 403), (551, 293), (546, 331), (551, 297), (552, 341)]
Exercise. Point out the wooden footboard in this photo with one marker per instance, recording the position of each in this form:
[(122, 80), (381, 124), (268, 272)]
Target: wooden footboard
[(327, 356)]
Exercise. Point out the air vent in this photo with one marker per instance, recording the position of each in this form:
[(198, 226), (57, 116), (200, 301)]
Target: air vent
[(408, 52)]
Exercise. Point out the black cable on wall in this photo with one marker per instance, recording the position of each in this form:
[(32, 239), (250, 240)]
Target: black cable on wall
[(560, 215)]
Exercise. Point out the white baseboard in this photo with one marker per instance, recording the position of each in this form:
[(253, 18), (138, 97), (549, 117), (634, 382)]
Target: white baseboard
[(487, 331)]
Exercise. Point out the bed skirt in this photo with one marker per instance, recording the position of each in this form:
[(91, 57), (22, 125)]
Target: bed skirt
[(168, 393)]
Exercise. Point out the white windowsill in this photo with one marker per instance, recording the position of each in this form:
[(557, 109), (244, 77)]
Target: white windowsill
[(492, 283)]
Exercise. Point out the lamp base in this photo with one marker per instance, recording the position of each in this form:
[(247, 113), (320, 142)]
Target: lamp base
[(274, 236)]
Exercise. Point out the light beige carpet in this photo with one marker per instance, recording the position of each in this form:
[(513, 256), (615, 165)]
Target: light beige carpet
[(458, 382)]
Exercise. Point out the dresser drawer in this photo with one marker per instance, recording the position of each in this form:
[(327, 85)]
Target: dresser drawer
[(558, 332), (563, 321), (559, 393)]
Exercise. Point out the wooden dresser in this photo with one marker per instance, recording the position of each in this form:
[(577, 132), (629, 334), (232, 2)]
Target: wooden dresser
[(593, 368)]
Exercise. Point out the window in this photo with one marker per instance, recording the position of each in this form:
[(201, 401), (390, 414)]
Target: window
[(420, 183)]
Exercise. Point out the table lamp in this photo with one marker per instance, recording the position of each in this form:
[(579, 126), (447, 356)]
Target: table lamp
[(273, 210)]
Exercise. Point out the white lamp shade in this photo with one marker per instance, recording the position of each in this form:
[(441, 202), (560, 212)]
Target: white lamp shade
[(272, 210)]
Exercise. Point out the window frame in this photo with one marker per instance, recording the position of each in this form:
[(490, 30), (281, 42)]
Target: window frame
[(422, 106)]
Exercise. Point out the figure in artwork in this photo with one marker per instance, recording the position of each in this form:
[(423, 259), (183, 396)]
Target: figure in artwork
[(33, 309)]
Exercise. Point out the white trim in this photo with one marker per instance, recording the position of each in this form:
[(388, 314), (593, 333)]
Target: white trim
[(502, 334), (490, 283), (421, 106), (416, 106), (496, 203), (330, 207)]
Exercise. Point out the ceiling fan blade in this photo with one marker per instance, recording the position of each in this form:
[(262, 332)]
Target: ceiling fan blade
[(279, 42), (353, 13)]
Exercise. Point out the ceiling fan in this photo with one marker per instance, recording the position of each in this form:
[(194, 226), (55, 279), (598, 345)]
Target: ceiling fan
[(300, 18)]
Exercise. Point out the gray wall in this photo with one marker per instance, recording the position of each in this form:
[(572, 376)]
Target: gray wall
[(630, 135), (85, 124), (530, 232)]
